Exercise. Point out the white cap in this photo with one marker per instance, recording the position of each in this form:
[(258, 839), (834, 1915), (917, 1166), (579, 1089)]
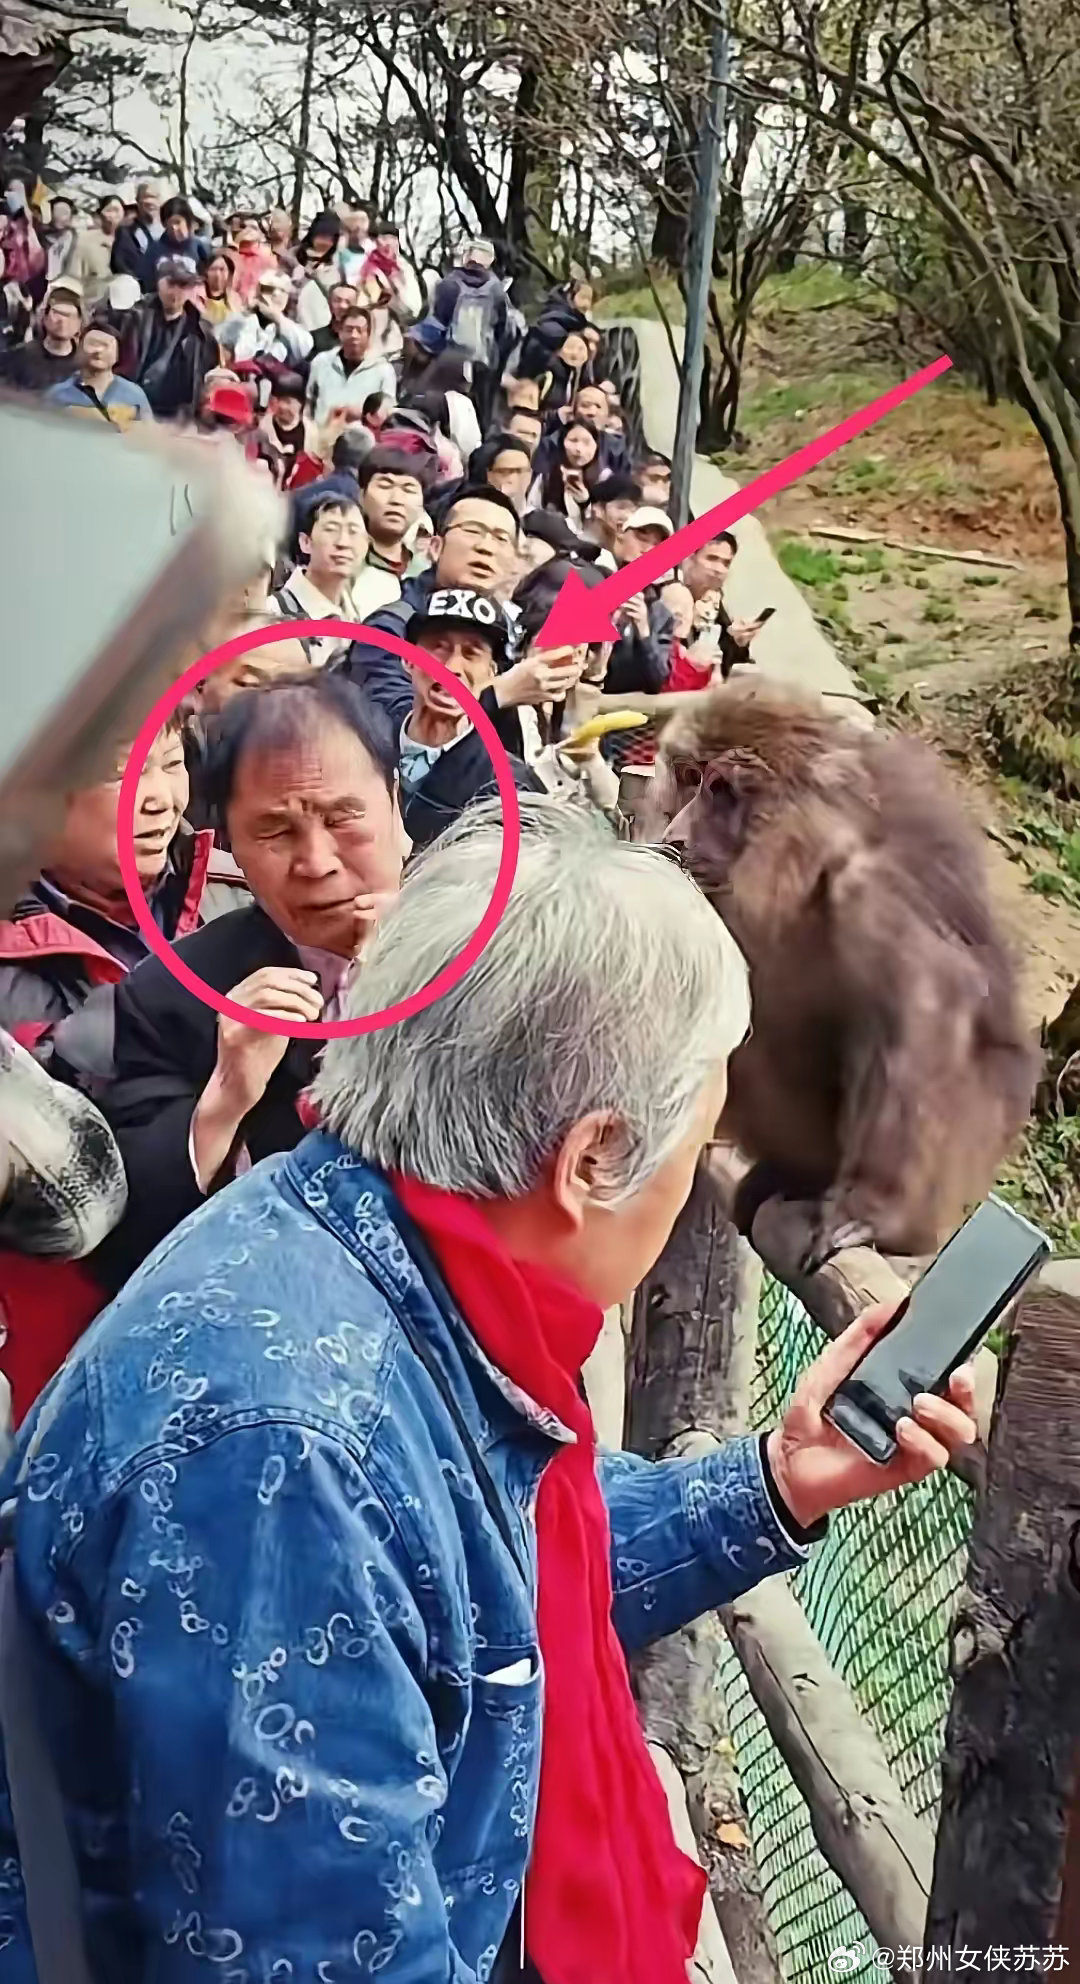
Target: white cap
[(648, 517), (123, 292)]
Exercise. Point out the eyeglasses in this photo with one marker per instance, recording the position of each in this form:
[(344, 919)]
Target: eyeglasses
[(481, 534)]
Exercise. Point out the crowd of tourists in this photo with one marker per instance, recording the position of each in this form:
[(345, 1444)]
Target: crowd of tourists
[(322, 1686)]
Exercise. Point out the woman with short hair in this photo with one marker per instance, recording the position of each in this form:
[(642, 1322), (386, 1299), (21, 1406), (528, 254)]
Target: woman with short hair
[(338, 1642)]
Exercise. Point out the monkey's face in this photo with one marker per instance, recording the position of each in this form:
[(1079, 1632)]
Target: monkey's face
[(702, 808)]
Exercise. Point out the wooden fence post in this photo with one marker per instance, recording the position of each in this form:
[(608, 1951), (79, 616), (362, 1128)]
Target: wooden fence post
[(691, 1356), (1009, 1772)]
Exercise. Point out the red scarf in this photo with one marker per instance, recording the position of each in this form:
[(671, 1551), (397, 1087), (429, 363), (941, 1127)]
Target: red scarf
[(610, 1898)]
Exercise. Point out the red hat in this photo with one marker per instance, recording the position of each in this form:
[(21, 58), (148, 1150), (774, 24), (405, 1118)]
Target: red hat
[(232, 402)]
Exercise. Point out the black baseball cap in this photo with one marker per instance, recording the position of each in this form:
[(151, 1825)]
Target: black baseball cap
[(462, 606), (555, 529), (178, 268)]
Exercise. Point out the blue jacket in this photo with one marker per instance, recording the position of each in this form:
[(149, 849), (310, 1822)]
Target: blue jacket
[(261, 1567), (379, 671)]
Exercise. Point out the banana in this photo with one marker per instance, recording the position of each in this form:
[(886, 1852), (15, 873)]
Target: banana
[(599, 726)]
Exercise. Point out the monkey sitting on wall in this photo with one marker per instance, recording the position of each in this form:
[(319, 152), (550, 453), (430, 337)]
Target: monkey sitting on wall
[(888, 1069)]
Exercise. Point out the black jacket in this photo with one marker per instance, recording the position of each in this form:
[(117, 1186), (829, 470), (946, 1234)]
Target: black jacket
[(641, 664), (165, 1047), (130, 244), (174, 384), (377, 670), (457, 778), (558, 318), (613, 457)]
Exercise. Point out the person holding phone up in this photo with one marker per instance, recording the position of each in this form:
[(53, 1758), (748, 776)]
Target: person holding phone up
[(641, 659)]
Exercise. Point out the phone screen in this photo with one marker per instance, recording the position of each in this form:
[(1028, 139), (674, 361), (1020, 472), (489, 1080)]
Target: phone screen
[(766, 614), (960, 1296)]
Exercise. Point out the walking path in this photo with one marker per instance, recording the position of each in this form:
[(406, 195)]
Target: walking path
[(792, 645)]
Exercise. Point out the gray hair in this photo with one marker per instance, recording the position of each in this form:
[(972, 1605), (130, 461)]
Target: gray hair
[(610, 985)]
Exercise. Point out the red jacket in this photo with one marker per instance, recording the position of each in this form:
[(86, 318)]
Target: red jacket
[(48, 965), (45, 1304), (685, 672)]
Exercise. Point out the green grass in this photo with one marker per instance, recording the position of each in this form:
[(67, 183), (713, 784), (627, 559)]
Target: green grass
[(864, 475), (817, 286), (876, 680), (629, 293), (869, 558), (842, 392), (939, 611), (934, 479), (807, 565), (1042, 1180), (1036, 833)]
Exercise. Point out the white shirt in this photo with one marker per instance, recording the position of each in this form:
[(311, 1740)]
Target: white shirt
[(329, 385), (314, 605), (464, 425), (415, 760), (248, 338)]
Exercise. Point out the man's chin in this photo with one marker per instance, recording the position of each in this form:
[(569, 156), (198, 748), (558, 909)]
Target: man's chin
[(326, 930), (151, 868)]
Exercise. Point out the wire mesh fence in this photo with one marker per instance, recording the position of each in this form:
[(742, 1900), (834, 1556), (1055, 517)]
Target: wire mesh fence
[(879, 1594)]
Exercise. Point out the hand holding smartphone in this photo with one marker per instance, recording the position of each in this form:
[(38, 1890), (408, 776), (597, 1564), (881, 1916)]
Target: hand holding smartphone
[(948, 1312)]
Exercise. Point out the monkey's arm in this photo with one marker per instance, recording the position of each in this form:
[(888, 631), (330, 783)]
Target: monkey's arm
[(906, 1001)]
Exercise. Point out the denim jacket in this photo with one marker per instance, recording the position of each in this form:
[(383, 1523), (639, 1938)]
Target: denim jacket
[(270, 1599)]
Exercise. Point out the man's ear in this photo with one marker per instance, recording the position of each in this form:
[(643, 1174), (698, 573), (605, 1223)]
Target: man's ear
[(304, 541), (582, 1164), (435, 548)]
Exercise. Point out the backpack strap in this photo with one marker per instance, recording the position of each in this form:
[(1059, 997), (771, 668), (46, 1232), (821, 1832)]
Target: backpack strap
[(291, 609), (50, 1876), (89, 393)]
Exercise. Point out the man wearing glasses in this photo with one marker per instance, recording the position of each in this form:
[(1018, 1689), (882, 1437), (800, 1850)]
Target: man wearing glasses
[(477, 549)]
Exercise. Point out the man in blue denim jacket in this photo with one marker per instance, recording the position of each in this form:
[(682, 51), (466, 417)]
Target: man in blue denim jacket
[(274, 1521)]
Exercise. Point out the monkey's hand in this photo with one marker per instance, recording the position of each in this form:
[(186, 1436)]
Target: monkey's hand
[(803, 1234), (832, 1229)]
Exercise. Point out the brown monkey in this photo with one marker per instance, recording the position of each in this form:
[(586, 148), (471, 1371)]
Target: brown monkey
[(888, 1070)]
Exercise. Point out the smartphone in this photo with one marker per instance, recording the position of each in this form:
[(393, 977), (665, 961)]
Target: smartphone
[(765, 614), (963, 1292)]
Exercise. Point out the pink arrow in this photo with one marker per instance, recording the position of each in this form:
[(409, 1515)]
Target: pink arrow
[(583, 615)]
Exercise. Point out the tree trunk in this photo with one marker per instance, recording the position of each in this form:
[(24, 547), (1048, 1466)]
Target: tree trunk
[(1068, 1923), (303, 132), (183, 106), (673, 200), (692, 1349), (34, 148), (1059, 1084), (382, 138), (856, 235), (531, 191), (1009, 1769)]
